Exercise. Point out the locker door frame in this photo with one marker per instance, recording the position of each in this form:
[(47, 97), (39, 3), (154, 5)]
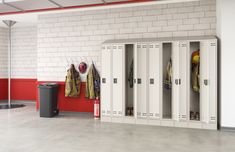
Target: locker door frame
[(204, 75), (137, 77), (122, 77), (157, 81), (135, 80), (184, 116), (107, 47), (175, 77)]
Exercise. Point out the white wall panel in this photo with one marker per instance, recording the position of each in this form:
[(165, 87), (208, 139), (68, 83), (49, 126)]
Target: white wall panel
[(64, 38), (3, 52), (24, 52)]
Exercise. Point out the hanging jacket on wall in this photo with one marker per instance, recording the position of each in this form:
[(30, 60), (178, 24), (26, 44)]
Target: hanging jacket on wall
[(195, 71), (72, 82), (131, 75), (93, 83), (168, 77)]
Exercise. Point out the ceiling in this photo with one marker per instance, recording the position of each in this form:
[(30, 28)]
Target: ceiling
[(25, 12), (23, 6)]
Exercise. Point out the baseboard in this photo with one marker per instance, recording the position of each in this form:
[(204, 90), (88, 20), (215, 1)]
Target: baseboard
[(227, 128), (26, 102)]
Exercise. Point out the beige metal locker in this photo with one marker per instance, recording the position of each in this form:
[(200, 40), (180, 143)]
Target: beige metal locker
[(175, 78), (208, 81), (204, 78), (141, 95), (106, 85), (154, 101), (154, 65), (213, 81), (183, 80), (118, 89)]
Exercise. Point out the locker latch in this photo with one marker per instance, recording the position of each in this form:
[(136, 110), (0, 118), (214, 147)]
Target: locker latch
[(151, 81), (139, 81), (115, 80), (176, 81), (205, 82), (103, 80)]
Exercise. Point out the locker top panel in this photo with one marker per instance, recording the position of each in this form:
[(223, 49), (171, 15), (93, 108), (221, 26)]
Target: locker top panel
[(166, 39)]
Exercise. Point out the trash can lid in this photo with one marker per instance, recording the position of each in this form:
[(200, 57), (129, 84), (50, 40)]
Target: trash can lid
[(48, 85)]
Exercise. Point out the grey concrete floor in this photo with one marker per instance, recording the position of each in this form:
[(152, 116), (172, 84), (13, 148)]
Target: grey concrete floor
[(22, 130)]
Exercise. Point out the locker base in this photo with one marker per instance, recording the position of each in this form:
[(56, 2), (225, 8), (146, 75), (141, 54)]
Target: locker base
[(164, 122)]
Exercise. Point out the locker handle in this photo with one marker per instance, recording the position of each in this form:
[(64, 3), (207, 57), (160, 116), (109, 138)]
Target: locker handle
[(206, 82), (103, 80), (138, 81), (115, 80), (151, 81), (179, 81), (176, 81)]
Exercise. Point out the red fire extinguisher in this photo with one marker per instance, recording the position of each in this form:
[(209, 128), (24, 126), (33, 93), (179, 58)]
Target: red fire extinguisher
[(97, 108)]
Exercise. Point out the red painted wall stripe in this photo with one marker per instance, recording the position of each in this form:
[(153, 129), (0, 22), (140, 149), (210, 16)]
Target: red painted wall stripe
[(78, 104), (26, 89), (75, 7), (3, 89), (23, 89)]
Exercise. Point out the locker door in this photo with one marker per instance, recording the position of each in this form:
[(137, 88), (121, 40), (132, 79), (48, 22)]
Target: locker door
[(118, 79), (154, 80), (175, 83), (183, 81), (106, 85), (212, 58), (204, 81), (141, 80)]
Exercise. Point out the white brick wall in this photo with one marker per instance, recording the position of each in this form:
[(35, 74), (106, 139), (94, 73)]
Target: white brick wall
[(24, 52), (73, 37), (3, 52)]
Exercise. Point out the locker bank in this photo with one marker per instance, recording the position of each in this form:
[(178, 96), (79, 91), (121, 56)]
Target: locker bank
[(117, 75)]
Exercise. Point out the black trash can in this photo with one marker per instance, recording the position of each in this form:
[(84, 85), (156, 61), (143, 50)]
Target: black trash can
[(48, 95)]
